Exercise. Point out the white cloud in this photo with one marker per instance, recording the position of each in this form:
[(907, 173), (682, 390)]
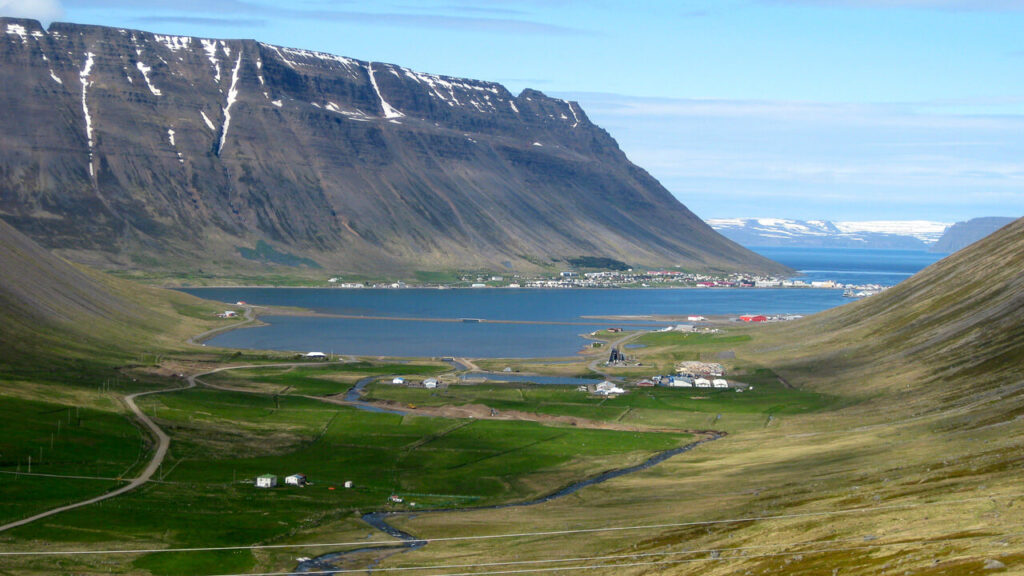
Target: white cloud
[(43, 10)]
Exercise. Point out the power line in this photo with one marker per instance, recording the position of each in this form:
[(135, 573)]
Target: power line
[(647, 554), (399, 543)]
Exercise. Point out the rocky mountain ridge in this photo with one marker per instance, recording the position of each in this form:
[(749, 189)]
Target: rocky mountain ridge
[(129, 149)]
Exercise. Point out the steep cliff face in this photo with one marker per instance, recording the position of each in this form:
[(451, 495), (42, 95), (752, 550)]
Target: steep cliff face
[(126, 148), (963, 234)]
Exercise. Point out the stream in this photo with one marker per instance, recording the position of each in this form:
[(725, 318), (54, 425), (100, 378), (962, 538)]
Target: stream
[(324, 564)]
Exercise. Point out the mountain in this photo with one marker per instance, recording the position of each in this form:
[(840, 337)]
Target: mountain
[(881, 234), (130, 149), (52, 310), (953, 329), (963, 234)]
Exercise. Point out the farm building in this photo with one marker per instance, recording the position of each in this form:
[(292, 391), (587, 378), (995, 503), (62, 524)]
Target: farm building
[(295, 480), (398, 380), (607, 388), (430, 383), (719, 383), (266, 481), (645, 383), (702, 383), (754, 318), (680, 382), (315, 356)]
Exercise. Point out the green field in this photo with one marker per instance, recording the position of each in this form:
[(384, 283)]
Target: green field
[(61, 440), (222, 440), (317, 379)]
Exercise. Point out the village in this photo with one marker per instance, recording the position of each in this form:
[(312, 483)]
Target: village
[(619, 279)]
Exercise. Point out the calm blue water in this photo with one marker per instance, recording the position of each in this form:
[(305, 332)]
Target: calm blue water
[(426, 338), (850, 265), (371, 337)]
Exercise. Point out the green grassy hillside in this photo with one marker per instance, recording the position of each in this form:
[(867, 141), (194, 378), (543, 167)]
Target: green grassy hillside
[(956, 328), (917, 470), (53, 310)]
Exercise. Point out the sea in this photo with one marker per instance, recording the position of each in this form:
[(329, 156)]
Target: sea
[(533, 323)]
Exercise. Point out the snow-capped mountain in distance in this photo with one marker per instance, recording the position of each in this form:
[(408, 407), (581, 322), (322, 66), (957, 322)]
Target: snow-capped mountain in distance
[(876, 234)]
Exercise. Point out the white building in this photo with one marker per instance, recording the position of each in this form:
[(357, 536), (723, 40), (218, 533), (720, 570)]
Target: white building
[(430, 383), (607, 388), (266, 481), (315, 355), (398, 380), (695, 318), (719, 383), (295, 480), (702, 383), (680, 382)]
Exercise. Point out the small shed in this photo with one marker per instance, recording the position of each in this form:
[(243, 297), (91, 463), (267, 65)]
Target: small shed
[(398, 380), (430, 383), (266, 481), (295, 480)]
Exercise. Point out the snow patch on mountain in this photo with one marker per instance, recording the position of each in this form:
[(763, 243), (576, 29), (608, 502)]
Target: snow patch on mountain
[(894, 234)]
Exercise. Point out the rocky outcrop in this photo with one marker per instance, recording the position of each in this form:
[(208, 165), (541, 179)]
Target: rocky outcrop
[(131, 149)]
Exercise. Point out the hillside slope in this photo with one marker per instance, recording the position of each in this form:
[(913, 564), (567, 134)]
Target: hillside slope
[(50, 308), (960, 322), (130, 149), (914, 469)]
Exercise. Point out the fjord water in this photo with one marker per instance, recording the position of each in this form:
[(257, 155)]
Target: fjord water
[(571, 311), (851, 265), (568, 312)]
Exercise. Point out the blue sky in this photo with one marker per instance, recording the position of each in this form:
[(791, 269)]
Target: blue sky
[(833, 109)]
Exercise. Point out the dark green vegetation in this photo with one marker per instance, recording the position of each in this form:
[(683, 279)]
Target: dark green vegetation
[(57, 439), (662, 404), (598, 263), (222, 440), (267, 254), (318, 380)]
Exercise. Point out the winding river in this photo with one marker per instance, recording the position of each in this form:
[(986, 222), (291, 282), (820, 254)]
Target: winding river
[(325, 564)]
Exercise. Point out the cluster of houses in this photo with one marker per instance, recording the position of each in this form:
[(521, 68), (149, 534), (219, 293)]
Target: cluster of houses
[(692, 374), (766, 318), (270, 481), (683, 381), (428, 383)]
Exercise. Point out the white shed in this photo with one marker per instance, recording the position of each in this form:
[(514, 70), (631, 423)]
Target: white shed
[(398, 380), (266, 481), (720, 383), (702, 383), (430, 383), (315, 355), (295, 480)]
